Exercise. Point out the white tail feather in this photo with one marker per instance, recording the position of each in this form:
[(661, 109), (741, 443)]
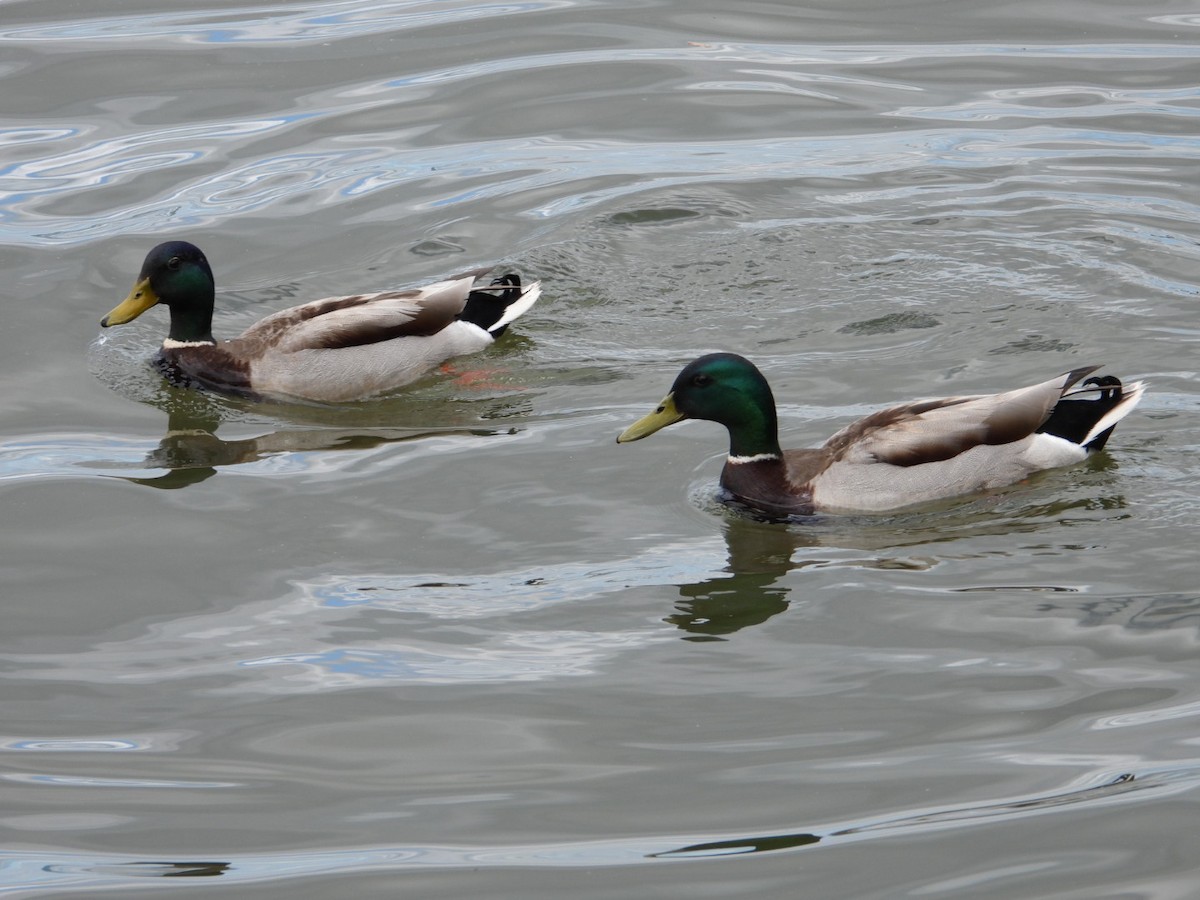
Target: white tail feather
[(519, 306), (1130, 395)]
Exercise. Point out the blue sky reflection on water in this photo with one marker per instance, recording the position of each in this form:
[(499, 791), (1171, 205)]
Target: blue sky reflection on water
[(335, 176), (292, 24)]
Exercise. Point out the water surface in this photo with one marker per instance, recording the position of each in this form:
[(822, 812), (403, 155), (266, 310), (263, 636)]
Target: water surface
[(458, 642)]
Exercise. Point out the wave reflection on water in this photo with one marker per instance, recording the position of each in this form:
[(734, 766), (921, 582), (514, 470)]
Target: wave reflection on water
[(56, 872), (225, 167), (329, 177), (293, 23)]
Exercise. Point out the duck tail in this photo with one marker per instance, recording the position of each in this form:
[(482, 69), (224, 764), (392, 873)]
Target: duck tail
[(1089, 422), (493, 307)]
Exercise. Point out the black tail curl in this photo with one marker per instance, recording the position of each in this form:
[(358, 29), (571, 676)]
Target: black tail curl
[(1072, 419), (485, 306)]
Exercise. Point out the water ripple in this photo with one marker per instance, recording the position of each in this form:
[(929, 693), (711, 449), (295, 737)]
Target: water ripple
[(270, 643), (1062, 102), (44, 872), (510, 168), (270, 24), (220, 171)]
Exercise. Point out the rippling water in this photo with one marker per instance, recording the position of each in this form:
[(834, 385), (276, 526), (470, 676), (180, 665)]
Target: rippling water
[(457, 642)]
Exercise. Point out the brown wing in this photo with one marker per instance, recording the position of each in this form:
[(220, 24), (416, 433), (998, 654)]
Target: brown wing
[(339, 322), (801, 466), (932, 430)]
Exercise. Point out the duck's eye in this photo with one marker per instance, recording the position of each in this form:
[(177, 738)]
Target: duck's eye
[(701, 380), (174, 262)]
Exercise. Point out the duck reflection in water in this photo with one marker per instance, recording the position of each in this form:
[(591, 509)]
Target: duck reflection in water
[(191, 452), (760, 554)]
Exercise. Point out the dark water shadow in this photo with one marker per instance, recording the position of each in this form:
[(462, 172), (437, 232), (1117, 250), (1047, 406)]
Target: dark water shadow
[(183, 869), (1118, 785), (760, 554), (1110, 790), (191, 452), (762, 551), (1137, 612)]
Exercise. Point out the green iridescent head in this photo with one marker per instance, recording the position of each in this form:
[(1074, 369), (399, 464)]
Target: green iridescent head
[(724, 388), (177, 275)]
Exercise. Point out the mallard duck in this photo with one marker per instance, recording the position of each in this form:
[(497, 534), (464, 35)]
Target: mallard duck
[(905, 454), (332, 350)]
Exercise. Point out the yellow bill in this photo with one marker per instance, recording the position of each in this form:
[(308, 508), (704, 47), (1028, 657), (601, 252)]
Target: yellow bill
[(666, 414), (140, 299)]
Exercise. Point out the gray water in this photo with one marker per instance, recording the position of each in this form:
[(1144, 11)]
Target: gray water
[(458, 643)]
